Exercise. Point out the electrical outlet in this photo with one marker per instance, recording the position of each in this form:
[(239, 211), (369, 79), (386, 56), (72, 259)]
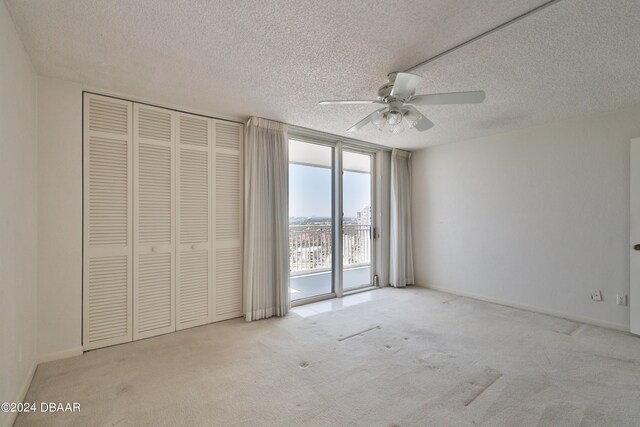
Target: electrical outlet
[(596, 295), (621, 299)]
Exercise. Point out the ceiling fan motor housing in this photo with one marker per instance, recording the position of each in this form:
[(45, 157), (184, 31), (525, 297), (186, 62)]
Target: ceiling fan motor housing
[(384, 93)]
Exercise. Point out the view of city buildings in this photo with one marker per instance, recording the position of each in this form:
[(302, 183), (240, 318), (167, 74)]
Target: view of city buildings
[(364, 216), (310, 243)]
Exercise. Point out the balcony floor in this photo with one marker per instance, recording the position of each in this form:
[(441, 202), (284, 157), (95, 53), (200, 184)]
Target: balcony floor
[(314, 284)]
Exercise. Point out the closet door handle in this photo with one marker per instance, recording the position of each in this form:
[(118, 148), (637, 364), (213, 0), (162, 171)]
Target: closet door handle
[(153, 249), (193, 246)]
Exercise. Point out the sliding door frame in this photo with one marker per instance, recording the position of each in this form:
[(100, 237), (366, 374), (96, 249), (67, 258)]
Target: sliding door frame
[(373, 233), (338, 213), (338, 144), (333, 145)]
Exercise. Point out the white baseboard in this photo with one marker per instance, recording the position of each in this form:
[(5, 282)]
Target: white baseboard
[(56, 355), (580, 319), (10, 417)]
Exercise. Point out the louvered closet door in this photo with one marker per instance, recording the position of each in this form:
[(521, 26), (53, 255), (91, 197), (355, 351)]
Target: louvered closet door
[(227, 299), (154, 225), (193, 286), (107, 237)]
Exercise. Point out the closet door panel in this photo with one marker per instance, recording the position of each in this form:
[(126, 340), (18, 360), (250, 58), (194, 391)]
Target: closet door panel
[(162, 221), (194, 215), (154, 222), (107, 236), (228, 189)]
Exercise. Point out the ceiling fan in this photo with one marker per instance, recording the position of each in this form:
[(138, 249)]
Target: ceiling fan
[(399, 99)]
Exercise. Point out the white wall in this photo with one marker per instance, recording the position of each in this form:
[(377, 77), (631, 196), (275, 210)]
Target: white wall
[(59, 219), (536, 218), (18, 216)]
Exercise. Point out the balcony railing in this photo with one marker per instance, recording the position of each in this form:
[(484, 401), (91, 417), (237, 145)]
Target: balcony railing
[(310, 247)]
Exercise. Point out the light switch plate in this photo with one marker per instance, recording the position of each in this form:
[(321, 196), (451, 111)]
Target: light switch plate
[(596, 295)]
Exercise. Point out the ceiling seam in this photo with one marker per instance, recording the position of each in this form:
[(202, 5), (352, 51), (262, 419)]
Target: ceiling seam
[(485, 34)]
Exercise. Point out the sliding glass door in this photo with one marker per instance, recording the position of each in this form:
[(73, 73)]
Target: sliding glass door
[(331, 219), (311, 221), (357, 220)]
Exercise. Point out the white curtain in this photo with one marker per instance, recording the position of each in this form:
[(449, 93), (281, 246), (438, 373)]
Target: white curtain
[(401, 253), (266, 219)]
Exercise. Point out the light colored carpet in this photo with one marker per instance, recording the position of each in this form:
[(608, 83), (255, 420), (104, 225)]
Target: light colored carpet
[(427, 358)]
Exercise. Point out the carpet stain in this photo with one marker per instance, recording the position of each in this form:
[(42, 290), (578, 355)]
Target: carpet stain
[(359, 333), (516, 390), (436, 361), (304, 364), (451, 300), (626, 363), (575, 330), (122, 390), (482, 385), (561, 414)]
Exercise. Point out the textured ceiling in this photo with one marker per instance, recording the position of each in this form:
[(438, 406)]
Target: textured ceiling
[(276, 59)]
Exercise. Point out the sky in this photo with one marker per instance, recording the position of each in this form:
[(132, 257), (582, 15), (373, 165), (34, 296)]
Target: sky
[(310, 191)]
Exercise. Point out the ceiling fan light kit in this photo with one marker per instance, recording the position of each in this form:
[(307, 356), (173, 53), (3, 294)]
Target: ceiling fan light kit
[(396, 119), (398, 97)]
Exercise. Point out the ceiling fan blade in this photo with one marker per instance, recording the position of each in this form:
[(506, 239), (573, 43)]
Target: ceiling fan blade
[(423, 123), (364, 121), (475, 97), (349, 102), (405, 85)]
